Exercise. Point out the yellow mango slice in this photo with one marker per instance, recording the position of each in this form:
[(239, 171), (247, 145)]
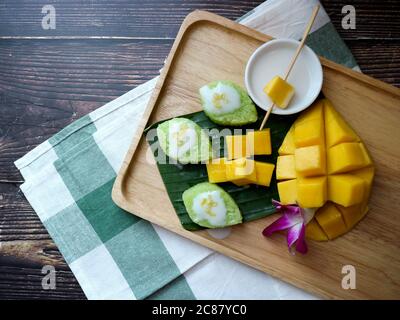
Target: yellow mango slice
[(353, 214), (264, 172), (367, 157), (310, 161), (285, 168), (367, 174), (315, 232), (330, 220), (253, 143), (311, 192), (279, 91), (336, 129), (216, 170), (345, 189), (309, 127), (288, 146), (241, 171), (288, 191), (236, 146), (261, 141), (346, 157)]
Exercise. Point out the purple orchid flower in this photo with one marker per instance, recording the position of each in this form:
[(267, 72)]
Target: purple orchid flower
[(294, 220)]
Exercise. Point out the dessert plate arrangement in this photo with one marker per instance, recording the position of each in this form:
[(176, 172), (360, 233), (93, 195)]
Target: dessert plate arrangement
[(367, 106)]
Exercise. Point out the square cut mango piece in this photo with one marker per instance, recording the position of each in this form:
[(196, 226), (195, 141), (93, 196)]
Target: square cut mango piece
[(241, 171), (336, 129), (353, 214), (285, 168), (279, 91), (346, 157), (287, 146), (315, 232), (311, 192), (330, 220), (253, 143), (288, 191), (216, 170), (309, 127), (367, 174), (346, 189), (310, 161), (264, 172)]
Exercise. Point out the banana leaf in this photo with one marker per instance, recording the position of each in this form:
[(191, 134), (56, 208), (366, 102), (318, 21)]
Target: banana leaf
[(254, 201)]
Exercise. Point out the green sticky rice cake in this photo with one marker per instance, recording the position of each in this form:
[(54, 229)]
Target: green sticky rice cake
[(184, 140), (210, 206), (226, 103)]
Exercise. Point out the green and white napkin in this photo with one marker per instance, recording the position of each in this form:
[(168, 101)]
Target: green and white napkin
[(116, 255)]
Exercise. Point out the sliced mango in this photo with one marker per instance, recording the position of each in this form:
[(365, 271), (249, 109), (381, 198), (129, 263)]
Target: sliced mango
[(216, 170), (288, 146), (353, 214), (310, 161), (330, 220), (288, 191), (286, 168), (279, 91), (309, 127), (264, 172), (241, 171), (336, 129), (253, 143), (315, 232), (311, 192), (346, 157), (345, 189)]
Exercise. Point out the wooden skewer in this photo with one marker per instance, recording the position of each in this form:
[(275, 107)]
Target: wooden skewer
[(301, 45)]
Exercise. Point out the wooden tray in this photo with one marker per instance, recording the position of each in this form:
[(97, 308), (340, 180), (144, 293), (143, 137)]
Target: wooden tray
[(209, 47)]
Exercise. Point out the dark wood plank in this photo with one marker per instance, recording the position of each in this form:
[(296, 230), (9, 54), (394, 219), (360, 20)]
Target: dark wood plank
[(130, 18), (47, 84), (161, 19)]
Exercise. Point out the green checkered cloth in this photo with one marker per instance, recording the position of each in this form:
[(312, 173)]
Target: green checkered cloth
[(116, 255)]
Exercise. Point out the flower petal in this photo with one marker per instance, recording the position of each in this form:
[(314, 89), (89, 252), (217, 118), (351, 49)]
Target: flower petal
[(293, 234), (284, 222), (301, 245)]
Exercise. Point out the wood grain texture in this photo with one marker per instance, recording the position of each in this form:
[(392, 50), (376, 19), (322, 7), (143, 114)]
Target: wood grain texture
[(28, 117), (372, 247)]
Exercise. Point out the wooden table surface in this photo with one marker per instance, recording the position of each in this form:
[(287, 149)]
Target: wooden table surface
[(99, 50)]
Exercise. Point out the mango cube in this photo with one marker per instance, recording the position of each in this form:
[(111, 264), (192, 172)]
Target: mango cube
[(264, 172), (367, 174), (310, 161), (279, 91), (345, 189), (353, 214), (288, 146), (368, 160), (285, 168), (346, 157), (216, 170), (309, 127), (315, 232), (241, 171), (237, 147), (336, 129), (330, 220), (288, 191), (253, 143), (261, 141), (311, 192)]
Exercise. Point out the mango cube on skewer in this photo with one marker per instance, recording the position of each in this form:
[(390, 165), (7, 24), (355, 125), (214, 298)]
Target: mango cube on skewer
[(264, 173), (279, 91)]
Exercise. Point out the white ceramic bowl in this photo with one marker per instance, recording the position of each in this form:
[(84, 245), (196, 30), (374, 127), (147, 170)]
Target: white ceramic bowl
[(273, 58)]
